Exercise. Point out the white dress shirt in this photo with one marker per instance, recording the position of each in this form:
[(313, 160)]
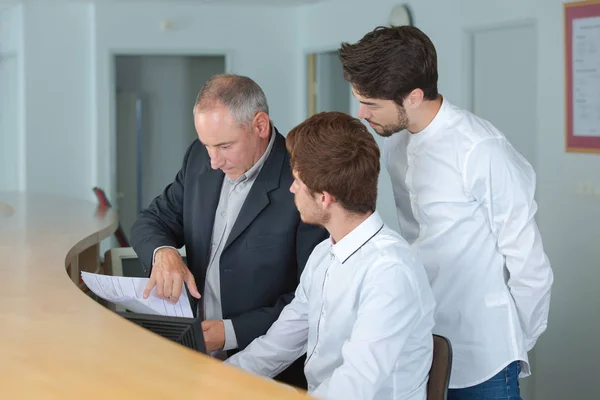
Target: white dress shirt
[(363, 312), (465, 201), (232, 198)]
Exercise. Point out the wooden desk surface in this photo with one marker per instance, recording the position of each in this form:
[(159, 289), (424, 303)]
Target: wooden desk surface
[(57, 343)]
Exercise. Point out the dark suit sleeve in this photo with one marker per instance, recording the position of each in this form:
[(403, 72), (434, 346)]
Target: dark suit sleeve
[(161, 224), (255, 323)]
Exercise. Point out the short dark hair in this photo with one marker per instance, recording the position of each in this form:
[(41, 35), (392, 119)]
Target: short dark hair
[(242, 96), (390, 62), (335, 153)]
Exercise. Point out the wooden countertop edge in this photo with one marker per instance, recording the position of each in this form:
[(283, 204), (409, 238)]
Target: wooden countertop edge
[(90, 240), (67, 345)]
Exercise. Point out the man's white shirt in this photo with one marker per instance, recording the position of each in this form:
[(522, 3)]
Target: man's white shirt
[(363, 313), (465, 201)]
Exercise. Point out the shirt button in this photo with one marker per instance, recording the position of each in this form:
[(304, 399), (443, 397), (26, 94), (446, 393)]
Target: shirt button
[(222, 213)]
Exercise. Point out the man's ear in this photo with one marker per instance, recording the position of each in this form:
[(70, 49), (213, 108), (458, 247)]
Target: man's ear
[(414, 99), (262, 124), (327, 200)]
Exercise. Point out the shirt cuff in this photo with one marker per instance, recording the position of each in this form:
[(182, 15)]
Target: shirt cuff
[(158, 248), (230, 338)]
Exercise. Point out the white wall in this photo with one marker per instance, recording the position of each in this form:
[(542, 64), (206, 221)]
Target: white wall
[(11, 107), (58, 83), (9, 134), (68, 75), (571, 231), (10, 29), (565, 359)]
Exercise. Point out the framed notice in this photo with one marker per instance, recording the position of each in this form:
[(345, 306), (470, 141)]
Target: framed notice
[(582, 58)]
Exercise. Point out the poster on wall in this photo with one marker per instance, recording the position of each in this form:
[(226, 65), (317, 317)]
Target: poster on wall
[(582, 58)]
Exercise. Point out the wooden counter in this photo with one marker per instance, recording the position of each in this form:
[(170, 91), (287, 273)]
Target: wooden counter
[(57, 343)]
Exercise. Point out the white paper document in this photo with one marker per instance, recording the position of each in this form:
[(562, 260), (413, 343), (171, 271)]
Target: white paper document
[(586, 77), (129, 293)]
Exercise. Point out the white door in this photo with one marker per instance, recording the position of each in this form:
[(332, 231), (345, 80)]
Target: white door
[(504, 83), (504, 92)]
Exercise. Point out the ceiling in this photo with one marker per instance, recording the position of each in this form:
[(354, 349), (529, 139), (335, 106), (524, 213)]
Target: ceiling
[(224, 2), (246, 2)]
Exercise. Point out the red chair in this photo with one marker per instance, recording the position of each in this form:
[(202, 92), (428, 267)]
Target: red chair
[(104, 203)]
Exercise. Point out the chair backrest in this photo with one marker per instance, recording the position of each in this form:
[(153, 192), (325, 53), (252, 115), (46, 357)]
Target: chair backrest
[(103, 200), (439, 374)]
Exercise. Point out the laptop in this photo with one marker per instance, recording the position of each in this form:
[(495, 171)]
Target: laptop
[(185, 331)]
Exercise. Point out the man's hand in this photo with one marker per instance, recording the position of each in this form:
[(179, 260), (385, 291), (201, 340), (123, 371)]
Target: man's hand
[(214, 334), (168, 274)]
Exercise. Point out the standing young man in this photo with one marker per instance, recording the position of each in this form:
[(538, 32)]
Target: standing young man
[(363, 311), (465, 201)]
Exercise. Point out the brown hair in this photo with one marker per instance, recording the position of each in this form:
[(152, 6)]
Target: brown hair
[(390, 62), (335, 153)]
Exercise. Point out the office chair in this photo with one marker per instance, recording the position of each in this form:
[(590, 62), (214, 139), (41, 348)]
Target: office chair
[(439, 374)]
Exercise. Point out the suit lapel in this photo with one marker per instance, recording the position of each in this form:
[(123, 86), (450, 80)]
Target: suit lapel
[(258, 197), (207, 196)]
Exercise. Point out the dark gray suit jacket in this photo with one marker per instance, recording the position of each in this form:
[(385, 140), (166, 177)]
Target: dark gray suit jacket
[(266, 250)]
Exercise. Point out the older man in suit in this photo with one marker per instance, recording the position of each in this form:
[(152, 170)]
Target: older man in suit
[(230, 206)]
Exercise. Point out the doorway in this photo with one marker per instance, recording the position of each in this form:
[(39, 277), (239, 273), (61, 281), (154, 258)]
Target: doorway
[(327, 88), (154, 124)]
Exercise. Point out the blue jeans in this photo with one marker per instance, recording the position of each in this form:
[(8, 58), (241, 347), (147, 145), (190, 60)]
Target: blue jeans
[(504, 386)]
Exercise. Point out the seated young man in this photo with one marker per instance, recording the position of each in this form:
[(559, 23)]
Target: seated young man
[(363, 311)]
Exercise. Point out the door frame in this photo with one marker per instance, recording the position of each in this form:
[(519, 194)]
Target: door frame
[(309, 61)]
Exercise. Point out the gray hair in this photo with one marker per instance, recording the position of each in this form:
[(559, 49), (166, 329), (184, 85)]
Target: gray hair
[(240, 94)]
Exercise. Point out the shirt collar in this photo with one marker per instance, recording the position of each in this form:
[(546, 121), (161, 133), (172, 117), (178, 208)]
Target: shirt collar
[(353, 241), (255, 169), (434, 126)]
